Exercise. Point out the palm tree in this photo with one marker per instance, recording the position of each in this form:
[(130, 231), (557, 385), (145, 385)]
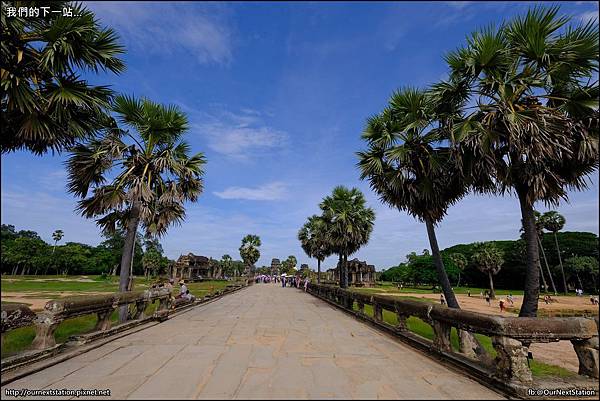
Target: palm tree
[(489, 259), (554, 222), (250, 254), (226, 262), (534, 127), (57, 235), (350, 223), (313, 239), (151, 177), (45, 103), (410, 169), (460, 261), (539, 226)]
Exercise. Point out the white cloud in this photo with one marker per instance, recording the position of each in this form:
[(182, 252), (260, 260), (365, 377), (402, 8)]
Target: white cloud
[(271, 191), (240, 136), (169, 29)]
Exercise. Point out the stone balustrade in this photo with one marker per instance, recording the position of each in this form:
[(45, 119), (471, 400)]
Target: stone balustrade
[(511, 336)]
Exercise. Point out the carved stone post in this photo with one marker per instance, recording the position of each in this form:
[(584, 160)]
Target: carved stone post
[(401, 325), (45, 326), (587, 353), (441, 338), (467, 344), (511, 361), (104, 322), (140, 307), (361, 307), (377, 312)]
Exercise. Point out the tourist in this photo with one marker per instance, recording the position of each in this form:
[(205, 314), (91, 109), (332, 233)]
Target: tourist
[(501, 303), (182, 289), (511, 300), (469, 293), (442, 300), (481, 294), (305, 284), (189, 297), (487, 298)]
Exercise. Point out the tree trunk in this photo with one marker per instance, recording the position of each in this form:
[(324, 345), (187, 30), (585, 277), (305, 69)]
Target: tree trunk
[(492, 292), (532, 275), (544, 283), (547, 266), (439, 266), (127, 256), (579, 280), (458, 284), (318, 271), (562, 271)]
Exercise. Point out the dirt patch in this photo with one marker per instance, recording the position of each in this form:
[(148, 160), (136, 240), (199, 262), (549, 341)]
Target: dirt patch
[(38, 300)]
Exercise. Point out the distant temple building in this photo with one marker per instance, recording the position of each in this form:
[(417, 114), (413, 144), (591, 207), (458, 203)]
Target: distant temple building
[(192, 267), (359, 273), (275, 266)]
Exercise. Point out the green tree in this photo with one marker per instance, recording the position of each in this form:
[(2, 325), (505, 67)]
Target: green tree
[(227, 264), (534, 126), (488, 259), (289, 265), (250, 254), (554, 222), (349, 222), (313, 239), (409, 167), (57, 235), (155, 174), (460, 261), (586, 266), (45, 103)]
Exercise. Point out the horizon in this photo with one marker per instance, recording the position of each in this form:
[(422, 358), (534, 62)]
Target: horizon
[(277, 99)]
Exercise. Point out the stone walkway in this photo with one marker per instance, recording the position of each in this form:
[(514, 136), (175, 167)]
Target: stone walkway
[(264, 342)]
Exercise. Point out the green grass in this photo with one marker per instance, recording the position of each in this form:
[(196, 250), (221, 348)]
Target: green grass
[(54, 284), (20, 339), (392, 288), (423, 329)]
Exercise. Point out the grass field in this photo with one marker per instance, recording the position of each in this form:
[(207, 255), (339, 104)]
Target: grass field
[(392, 288), (52, 287), (421, 328)]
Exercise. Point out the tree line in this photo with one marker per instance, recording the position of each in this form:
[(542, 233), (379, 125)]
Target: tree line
[(25, 253), (579, 250)]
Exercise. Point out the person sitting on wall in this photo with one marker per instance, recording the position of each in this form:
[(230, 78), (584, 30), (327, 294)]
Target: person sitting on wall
[(189, 296), (182, 289)]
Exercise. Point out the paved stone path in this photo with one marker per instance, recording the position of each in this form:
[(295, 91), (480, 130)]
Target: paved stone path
[(264, 342)]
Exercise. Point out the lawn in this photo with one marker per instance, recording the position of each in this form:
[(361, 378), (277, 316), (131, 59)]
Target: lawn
[(424, 330), (393, 289), (20, 339)]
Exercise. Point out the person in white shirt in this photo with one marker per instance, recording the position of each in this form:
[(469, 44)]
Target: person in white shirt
[(182, 289)]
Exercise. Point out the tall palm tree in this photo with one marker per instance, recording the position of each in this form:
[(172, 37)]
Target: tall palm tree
[(143, 176), (460, 261), (313, 239), (350, 223), (409, 167), (46, 105), (250, 254), (539, 226), (489, 259), (534, 123), (554, 222), (57, 235), (226, 262)]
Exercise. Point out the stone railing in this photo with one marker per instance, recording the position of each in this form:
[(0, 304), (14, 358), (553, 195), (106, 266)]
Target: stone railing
[(511, 336), (55, 312)]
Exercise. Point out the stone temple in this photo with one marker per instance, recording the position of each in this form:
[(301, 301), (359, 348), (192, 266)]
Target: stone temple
[(360, 274), (191, 267)]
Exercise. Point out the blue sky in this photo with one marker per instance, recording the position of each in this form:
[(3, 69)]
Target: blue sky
[(277, 95)]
